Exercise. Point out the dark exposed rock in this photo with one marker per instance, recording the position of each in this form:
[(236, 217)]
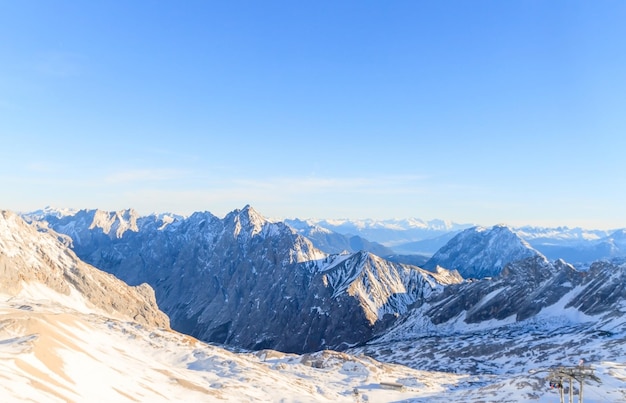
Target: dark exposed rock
[(251, 283), (522, 289), (604, 288)]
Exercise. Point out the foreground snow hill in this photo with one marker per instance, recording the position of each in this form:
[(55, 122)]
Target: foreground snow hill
[(52, 353)]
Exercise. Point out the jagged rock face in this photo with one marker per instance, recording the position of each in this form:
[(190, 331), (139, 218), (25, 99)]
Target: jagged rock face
[(526, 287), (522, 289), (481, 252), (535, 314), (247, 282), (384, 287), (30, 256), (604, 291)]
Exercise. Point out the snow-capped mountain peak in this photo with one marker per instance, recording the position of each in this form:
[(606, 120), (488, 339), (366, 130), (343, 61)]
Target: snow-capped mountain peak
[(383, 287), (50, 211), (481, 252), (247, 222)]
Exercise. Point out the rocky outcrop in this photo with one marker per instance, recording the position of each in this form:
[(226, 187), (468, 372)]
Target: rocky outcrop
[(29, 256), (604, 290), (526, 288), (521, 290)]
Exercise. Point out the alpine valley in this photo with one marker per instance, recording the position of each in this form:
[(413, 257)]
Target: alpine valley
[(304, 310)]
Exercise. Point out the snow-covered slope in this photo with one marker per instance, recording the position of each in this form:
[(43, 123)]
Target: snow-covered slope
[(527, 293), (51, 353), (481, 252), (382, 287)]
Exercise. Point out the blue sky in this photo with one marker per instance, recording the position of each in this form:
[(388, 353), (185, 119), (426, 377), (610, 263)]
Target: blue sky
[(471, 111)]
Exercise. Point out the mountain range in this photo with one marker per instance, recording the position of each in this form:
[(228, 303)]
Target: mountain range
[(488, 303), (248, 282), (413, 238), (534, 314), (72, 333)]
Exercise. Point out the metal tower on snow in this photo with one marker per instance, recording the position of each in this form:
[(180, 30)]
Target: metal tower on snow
[(557, 375)]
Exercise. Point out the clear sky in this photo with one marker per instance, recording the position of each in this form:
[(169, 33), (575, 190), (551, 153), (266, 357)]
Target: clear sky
[(472, 111)]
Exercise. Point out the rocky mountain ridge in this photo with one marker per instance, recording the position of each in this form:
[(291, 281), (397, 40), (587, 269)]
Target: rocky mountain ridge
[(534, 314), (406, 237), (248, 282)]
